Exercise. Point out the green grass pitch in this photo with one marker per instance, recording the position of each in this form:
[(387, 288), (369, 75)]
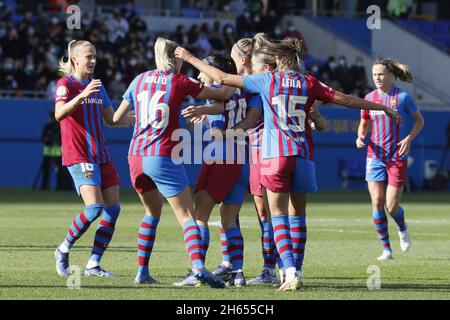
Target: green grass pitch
[(341, 245)]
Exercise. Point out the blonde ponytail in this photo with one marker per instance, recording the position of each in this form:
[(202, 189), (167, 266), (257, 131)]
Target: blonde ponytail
[(400, 71), (260, 41), (68, 67), (165, 54), (288, 53)]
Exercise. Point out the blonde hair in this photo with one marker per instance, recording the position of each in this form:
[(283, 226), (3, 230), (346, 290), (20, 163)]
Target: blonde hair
[(244, 47), (288, 53), (165, 54), (400, 71), (68, 67), (260, 40)]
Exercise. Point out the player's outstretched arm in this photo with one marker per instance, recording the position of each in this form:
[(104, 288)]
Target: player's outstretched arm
[(358, 103), (218, 75), (63, 110), (126, 121), (318, 122), (121, 113), (199, 111)]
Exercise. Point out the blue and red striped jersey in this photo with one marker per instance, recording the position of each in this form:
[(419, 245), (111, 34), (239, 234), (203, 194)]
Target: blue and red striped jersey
[(235, 110), (157, 96), (386, 133), (82, 138), (287, 99)]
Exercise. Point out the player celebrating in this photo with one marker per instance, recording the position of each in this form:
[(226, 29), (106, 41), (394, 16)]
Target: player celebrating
[(388, 149), (156, 96), (225, 180), (81, 105), (288, 172), (263, 63)]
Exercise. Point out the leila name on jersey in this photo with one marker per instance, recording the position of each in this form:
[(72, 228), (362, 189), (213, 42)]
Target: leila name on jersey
[(291, 83)]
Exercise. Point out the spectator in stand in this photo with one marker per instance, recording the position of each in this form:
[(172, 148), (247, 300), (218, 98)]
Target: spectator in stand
[(277, 33), (269, 21), (344, 76), (216, 39), (180, 36), (230, 36), (193, 34), (330, 68), (244, 25), (358, 72), (118, 27), (292, 32)]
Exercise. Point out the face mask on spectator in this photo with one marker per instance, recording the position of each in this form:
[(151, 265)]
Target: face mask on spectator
[(332, 65), (30, 31), (247, 14), (257, 19), (2, 32), (229, 30), (133, 62), (359, 63), (54, 20), (278, 31), (8, 66), (342, 62), (315, 69), (291, 29), (149, 55), (29, 67), (109, 73), (118, 77)]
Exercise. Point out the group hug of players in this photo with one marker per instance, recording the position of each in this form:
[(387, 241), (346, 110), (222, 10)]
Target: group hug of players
[(260, 91)]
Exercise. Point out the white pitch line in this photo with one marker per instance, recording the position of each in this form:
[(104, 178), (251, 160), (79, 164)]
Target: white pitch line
[(219, 224)]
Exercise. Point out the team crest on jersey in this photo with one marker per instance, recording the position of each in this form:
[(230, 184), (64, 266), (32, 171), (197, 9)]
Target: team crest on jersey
[(88, 174), (61, 91)]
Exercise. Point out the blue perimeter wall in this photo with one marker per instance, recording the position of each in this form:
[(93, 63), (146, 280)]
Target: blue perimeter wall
[(23, 120)]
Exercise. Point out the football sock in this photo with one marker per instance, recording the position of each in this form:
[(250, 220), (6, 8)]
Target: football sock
[(146, 239), (381, 225)]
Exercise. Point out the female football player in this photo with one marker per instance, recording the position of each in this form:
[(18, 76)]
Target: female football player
[(388, 149), (157, 96), (81, 105), (287, 170)]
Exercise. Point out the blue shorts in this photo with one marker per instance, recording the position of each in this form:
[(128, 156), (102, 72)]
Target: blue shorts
[(395, 173), (169, 178), (102, 175), (239, 190), (288, 174)]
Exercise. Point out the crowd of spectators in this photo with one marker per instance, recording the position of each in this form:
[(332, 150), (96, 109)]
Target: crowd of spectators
[(30, 48)]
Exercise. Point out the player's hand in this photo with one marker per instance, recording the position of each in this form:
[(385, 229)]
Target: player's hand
[(391, 113), (182, 54), (197, 120), (360, 142), (191, 111), (92, 87), (404, 146)]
